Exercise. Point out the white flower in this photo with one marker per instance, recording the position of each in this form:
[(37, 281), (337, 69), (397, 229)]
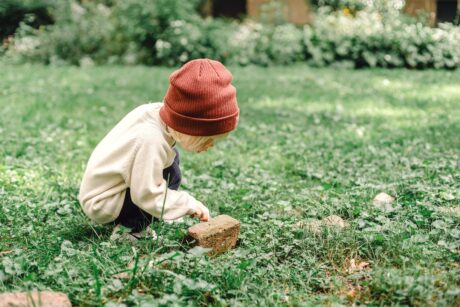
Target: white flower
[(77, 10), (104, 10), (177, 23), (26, 44), (161, 44), (183, 57)]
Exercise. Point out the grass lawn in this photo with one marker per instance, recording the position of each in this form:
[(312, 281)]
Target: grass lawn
[(310, 143)]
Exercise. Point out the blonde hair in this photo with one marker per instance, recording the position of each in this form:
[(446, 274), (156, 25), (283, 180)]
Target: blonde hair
[(195, 143)]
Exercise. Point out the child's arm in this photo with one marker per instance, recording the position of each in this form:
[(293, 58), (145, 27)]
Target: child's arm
[(148, 188)]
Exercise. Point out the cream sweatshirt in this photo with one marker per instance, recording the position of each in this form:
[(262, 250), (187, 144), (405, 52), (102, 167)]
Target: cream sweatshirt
[(133, 155)]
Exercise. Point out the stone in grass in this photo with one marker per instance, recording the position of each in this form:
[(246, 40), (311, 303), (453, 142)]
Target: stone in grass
[(450, 210), (334, 220), (220, 234), (384, 202), (42, 299), (329, 221), (383, 199)]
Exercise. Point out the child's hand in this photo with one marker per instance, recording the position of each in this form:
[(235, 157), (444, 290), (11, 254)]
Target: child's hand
[(201, 212)]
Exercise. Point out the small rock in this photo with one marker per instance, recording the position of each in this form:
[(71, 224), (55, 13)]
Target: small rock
[(220, 234), (42, 299), (385, 202), (383, 199), (450, 210), (315, 226), (334, 220)]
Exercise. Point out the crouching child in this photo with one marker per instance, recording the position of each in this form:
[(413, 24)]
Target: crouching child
[(136, 164)]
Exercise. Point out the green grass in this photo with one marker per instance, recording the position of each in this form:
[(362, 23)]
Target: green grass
[(310, 143)]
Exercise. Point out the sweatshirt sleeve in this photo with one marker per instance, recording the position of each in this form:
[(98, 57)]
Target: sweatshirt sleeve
[(148, 188)]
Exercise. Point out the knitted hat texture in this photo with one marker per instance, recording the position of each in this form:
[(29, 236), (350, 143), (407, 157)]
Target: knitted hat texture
[(201, 100)]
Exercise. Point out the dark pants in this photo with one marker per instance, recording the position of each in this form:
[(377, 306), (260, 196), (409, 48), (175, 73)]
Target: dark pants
[(132, 216)]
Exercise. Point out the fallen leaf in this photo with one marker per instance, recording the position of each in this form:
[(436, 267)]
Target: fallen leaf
[(351, 294), (356, 266)]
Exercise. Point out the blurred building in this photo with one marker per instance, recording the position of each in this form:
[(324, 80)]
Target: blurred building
[(437, 10), (298, 12), (294, 11)]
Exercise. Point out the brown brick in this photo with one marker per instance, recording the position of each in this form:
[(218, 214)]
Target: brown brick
[(220, 234), (43, 299)]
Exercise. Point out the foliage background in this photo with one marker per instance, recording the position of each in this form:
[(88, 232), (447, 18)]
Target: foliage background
[(345, 33)]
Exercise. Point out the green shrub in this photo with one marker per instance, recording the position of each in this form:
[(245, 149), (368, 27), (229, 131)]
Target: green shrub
[(147, 23), (373, 39), (180, 42), (211, 38), (250, 43), (80, 32), (424, 47), (264, 44), (117, 31), (286, 44), (217, 39), (171, 32)]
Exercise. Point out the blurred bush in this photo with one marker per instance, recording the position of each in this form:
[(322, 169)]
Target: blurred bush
[(145, 25), (105, 31), (79, 33), (352, 33), (13, 12), (385, 39)]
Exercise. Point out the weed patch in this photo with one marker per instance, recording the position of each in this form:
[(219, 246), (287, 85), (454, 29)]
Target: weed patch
[(311, 143)]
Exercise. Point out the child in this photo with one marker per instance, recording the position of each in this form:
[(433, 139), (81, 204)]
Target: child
[(136, 165)]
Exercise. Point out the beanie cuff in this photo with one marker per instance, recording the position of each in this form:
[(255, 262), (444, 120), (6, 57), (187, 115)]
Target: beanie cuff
[(197, 126)]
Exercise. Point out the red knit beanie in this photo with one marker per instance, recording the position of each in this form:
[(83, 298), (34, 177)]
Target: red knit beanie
[(201, 100)]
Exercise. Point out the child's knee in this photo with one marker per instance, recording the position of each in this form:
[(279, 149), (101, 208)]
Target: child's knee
[(103, 211)]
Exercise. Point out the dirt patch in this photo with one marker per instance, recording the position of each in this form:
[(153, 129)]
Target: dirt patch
[(43, 299)]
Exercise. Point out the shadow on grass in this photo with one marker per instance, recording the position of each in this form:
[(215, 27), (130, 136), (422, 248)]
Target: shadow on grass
[(84, 232)]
